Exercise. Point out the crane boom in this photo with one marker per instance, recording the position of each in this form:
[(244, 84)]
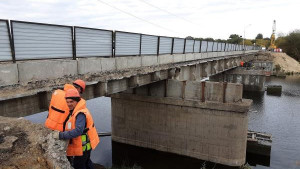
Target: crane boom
[(272, 43)]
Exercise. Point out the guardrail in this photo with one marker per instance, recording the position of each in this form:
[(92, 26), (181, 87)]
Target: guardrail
[(28, 41)]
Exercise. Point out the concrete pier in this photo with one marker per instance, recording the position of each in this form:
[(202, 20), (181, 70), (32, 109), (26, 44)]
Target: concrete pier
[(252, 79), (207, 122)]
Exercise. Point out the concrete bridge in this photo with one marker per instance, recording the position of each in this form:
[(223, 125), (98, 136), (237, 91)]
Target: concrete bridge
[(158, 99)]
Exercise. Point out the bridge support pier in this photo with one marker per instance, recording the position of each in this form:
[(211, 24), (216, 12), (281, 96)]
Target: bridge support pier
[(253, 80), (207, 121)]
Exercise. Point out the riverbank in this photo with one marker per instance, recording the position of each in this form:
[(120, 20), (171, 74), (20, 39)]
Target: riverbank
[(24, 145)]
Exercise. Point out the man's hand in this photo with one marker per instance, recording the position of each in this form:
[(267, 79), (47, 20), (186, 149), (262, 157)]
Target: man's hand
[(56, 134)]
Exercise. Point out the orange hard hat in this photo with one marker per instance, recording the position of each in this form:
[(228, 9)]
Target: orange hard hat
[(72, 93), (79, 83)]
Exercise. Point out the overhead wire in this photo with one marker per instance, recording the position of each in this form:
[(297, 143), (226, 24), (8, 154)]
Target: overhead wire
[(130, 14), (170, 13)]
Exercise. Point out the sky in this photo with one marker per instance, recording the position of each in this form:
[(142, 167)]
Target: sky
[(175, 18)]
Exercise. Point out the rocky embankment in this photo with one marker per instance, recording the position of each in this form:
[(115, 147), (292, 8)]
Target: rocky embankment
[(25, 145)]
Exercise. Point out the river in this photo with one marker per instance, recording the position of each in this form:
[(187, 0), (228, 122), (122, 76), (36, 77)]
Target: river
[(276, 115)]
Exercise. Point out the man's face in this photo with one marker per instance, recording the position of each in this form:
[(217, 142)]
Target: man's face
[(71, 103)]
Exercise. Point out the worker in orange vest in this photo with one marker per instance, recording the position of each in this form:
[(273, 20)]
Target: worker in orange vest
[(80, 130), (58, 109), (242, 63)]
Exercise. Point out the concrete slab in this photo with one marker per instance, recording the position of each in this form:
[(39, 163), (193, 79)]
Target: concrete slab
[(8, 74), (179, 58), (215, 54), (198, 56), (165, 59), (204, 55), (210, 54), (221, 53), (89, 65), (46, 69), (121, 62), (189, 56), (149, 60), (134, 62), (108, 64)]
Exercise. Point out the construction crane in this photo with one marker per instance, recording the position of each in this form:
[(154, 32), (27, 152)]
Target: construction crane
[(272, 44)]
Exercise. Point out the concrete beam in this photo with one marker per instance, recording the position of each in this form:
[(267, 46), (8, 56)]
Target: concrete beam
[(207, 69), (140, 80), (116, 86), (199, 72)]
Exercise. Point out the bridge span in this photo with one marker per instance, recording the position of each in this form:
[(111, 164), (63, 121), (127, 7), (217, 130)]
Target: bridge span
[(158, 98)]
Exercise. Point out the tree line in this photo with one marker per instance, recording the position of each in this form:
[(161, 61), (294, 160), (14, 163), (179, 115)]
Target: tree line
[(290, 44)]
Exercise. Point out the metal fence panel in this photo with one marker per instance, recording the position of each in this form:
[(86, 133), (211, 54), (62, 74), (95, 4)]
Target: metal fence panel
[(203, 46), (165, 45), (189, 46), (219, 47), (5, 49), (41, 41), (93, 42), (127, 44), (228, 47), (215, 47), (178, 45), (149, 45), (223, 47), (210, 46), (197, 46)]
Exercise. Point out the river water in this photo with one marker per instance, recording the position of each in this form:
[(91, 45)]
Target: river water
[(276, 115)]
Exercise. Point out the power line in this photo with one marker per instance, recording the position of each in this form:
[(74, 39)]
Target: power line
[(168, 12), (135, 16)]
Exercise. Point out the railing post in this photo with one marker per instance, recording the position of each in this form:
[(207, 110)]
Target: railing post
[(184, 46), (172, 49), (73, 32), (158, 42), (12, 43), (140, 44)]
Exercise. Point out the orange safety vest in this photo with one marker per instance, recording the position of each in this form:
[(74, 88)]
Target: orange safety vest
[(58, 109), (242, 63), (75, 144)]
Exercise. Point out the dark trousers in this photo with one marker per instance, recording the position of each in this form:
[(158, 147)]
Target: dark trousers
[(82, 162)]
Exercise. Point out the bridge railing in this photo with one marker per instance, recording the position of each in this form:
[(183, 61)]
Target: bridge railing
[(28, 41)]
